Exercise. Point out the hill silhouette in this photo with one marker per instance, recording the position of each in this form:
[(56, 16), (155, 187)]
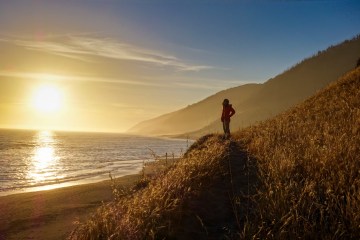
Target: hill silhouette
[(195, 116), (256, 102), (295, 176)]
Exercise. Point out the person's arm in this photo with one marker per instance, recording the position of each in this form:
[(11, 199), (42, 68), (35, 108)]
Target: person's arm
[(222, 115), (232, 112)]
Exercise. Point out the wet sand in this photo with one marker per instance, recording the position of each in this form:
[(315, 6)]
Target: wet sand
[(51, 214)]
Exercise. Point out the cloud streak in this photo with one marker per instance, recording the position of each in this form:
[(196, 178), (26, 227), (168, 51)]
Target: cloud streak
[(51, 77), (83, 48), (95, 79)]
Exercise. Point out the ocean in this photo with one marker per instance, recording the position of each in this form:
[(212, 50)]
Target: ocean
[(41, 160)]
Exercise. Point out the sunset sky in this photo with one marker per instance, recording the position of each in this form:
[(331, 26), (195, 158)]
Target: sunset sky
[(105, 65)]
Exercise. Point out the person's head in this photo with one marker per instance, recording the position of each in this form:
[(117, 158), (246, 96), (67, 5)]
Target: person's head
[(225, 102)]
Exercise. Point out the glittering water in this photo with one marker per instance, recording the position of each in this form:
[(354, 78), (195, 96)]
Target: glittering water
[(35, 160)]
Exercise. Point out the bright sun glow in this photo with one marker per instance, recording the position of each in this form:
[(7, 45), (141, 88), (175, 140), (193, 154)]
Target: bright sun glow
[(47, 99)]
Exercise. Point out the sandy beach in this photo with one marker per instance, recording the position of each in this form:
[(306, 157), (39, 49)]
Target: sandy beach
[(51, 214)]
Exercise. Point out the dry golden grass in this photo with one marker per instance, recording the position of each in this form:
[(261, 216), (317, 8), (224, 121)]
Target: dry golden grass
[(149, 212), (309, 165), (307, 184)]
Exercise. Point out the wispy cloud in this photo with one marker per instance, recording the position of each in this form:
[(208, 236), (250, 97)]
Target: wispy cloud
[(209, 84), (198, 86), (52, 77), (84, 47), (178, 84)]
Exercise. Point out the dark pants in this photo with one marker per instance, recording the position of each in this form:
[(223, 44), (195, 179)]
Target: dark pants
[(226, 127)]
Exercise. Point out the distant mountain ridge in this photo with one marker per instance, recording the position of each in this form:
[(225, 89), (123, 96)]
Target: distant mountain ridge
[(256, 102)]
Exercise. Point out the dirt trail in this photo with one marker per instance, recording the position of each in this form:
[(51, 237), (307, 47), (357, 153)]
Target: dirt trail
[(220, 211)]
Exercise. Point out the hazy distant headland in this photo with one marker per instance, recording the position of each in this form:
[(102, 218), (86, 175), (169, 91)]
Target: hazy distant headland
[(256, 102)]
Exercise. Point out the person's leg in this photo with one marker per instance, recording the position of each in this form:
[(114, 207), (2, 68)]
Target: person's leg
[(226, 129)]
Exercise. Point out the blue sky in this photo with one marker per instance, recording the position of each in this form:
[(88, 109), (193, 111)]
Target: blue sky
[(159, 55)]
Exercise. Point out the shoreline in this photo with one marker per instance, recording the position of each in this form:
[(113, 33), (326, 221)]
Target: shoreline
[(149, 166), (50, 214), (91, 180)]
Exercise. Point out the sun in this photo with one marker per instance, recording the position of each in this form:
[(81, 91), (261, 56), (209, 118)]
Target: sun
[(47, 99)]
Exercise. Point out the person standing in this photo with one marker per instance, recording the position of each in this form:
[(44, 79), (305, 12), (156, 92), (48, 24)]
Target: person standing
[(227, 112)]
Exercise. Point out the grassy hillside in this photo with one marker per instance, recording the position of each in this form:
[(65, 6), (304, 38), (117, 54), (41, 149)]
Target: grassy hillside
[(309, 165), (259, 102), (195, 116), (153, 212), (294, 176)]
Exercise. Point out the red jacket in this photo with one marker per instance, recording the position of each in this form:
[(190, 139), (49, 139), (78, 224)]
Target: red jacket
[(227, 113)]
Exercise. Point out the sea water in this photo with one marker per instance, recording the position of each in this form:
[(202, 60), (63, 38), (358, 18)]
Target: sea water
[(39, 160)]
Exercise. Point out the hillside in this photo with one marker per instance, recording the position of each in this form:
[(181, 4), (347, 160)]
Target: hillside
[(255, 102), (308, 161), (295, 176), (194, 116)]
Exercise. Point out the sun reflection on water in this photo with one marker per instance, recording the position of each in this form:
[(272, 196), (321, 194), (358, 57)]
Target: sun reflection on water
[(44, 158)]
